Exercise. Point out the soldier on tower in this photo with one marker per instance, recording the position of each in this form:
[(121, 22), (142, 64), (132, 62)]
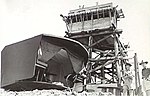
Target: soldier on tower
[(146, 77), (127, 78)]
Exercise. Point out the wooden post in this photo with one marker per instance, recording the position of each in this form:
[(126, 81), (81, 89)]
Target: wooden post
[(138, 90), (90, 49), (91, 21), (71, 24), (113, 72), (135, 68), (89, 65), (116, 55), (117, 63)]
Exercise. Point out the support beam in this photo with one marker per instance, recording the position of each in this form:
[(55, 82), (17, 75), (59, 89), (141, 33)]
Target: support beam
[(110, 58), (113, 70), (89, 65), (104, 52), (100, 40), (116, 55), (93, 34), (138, 86), (99, 67)]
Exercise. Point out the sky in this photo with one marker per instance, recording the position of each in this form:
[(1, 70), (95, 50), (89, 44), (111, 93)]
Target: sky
[(22, 19)]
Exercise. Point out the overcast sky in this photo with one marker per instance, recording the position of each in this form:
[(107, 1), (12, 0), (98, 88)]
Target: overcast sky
[(22, 19)]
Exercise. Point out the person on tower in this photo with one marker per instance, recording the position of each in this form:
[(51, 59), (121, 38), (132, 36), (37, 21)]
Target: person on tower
[(146, 77), (127, 78)]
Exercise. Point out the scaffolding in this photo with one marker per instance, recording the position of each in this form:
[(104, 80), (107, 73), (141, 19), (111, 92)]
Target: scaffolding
[(96, 28)]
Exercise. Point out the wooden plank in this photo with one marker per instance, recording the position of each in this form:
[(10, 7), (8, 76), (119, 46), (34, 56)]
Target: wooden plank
[(80, 35), (99, 85), (110, 58), (113, 88)]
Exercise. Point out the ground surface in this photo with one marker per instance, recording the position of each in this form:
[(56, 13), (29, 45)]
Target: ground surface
[(50, 93)]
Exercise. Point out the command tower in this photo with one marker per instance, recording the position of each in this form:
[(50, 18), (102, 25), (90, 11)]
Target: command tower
[(96, 28)]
